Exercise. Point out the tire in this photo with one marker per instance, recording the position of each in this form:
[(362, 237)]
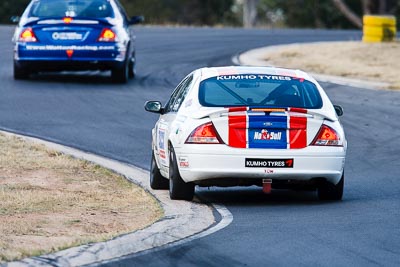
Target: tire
[(157, 181), (20, 73), (178, 189), (132, 67), (329, 191), (121, 74)]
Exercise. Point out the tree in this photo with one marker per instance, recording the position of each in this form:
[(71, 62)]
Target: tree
[(272, 13), (348, 13), (308, 13), (249, 13), (368, 7), (10, 8), (192, 12)]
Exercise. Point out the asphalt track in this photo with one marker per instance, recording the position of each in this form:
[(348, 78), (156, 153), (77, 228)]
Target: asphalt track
[(286, 228)]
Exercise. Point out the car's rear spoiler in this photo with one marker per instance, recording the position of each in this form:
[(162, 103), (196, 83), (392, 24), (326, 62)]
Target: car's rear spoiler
[(68, 20), (212, 112)]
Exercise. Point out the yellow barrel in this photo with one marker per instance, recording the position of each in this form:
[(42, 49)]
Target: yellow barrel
[(379, 28)]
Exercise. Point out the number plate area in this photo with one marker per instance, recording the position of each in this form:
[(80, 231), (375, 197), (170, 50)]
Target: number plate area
[(67, 36), (269, 163)]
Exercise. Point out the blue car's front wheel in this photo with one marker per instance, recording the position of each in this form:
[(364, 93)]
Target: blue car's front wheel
[(120, 74), (132, 66)]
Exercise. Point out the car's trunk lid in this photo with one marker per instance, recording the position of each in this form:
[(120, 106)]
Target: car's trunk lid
[(61, 31), (263, 128)]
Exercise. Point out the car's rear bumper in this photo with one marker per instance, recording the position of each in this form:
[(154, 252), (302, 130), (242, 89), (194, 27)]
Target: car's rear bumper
[(68, 65), (55, 58), (220, 162)]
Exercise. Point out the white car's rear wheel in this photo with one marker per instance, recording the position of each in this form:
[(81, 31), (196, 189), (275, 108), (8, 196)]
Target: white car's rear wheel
[(157, 181), (329, 191), (178, 189)]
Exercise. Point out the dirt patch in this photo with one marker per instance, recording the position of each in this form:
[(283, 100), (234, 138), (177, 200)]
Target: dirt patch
[(50, 201), (366, 61)]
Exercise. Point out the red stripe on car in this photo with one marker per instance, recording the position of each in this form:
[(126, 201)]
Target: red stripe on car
[(298, 132), (237, 128)]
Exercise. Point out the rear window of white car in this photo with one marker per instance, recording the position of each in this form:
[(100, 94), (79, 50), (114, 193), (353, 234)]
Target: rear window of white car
[(259, 90), (72, 8)]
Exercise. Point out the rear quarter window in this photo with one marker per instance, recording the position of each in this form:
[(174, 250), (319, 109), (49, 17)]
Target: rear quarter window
[(72, 8), (259, 91)]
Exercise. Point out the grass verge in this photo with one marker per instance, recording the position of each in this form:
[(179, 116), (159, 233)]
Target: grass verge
[(366, 61), (50, 201)]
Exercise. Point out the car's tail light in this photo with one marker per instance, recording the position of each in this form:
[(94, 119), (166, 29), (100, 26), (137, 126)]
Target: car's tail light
[(27, 35), (204, 134), (327, 137), (107, 35), (67, 20)]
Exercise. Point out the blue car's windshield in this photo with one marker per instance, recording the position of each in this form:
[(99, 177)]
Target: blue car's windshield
[(72, 8), (259, 91)]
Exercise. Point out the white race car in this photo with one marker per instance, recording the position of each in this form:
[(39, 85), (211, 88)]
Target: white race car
[(243, 126)]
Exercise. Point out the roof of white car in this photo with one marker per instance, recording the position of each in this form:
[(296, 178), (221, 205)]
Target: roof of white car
[(240, 70)]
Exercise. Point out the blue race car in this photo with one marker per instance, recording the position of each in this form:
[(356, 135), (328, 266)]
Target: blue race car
[(73, 35)]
